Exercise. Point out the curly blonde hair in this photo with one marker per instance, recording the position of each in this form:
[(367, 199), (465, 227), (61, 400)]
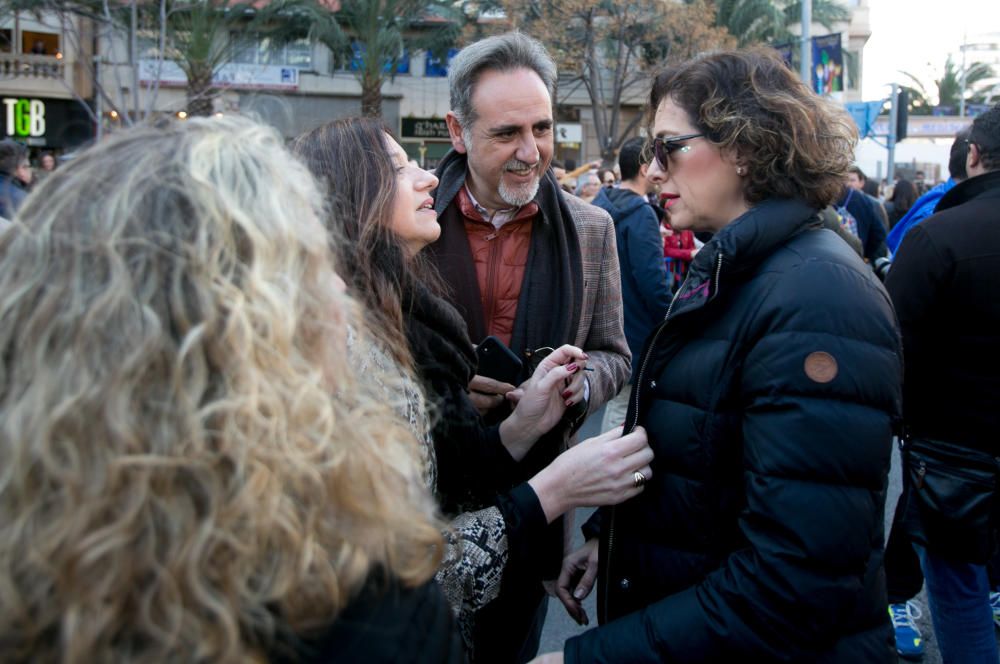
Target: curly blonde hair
[(179, 482), (794, 143)]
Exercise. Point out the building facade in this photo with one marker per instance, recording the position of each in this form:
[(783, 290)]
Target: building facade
[(44, 87), (49, 65)]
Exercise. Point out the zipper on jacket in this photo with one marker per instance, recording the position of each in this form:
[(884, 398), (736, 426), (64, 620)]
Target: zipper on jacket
[(718, 273), (496, 243), (631, 426)]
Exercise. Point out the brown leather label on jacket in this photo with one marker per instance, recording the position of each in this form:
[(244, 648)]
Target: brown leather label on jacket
[(821, 367)]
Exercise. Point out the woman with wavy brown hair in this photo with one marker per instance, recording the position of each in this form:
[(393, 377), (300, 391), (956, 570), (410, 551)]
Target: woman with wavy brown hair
[(769, 395), (191, 472), (499, 511)]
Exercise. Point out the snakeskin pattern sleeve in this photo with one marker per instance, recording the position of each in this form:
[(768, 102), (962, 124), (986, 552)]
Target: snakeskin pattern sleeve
[(476, 551)]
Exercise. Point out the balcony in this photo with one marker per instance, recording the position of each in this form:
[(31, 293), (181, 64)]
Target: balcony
[(18, 65)]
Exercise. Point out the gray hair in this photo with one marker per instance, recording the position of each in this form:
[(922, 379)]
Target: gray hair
[(585, 179), (506, 52), (12, 155)]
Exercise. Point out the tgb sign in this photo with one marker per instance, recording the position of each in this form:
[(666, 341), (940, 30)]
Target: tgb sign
[(25, 117)]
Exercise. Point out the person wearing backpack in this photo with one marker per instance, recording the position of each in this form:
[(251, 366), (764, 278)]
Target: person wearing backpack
[(860, 217)]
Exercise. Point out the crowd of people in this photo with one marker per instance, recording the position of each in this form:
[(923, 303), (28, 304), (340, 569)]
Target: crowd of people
[(309, 402), (17, 177)]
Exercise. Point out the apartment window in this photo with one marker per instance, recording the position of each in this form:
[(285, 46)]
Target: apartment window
[(435, 68), (255, 49), (6, 41), (39, 43), (357, 61), (852, 60)]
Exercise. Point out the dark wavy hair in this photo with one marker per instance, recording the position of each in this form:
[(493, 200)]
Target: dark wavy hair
[(794, 143), (350, 158)]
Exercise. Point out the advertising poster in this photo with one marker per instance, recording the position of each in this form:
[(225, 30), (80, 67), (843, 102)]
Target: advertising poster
[(827, 64)]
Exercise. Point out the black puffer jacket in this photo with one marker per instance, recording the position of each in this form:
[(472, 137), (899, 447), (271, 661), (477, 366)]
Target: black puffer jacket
[(769, 395)]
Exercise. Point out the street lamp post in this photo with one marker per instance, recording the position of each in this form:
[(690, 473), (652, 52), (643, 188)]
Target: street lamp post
[(961, 88), (891, 142), (806, 49)]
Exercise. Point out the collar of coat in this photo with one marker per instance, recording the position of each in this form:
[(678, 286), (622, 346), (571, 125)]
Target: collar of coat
[(741, 246), (551, 301), (966, 190), (453, 169)]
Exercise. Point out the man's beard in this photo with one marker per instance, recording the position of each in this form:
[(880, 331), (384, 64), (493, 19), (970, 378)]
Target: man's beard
[(516, 196), (522, 194)]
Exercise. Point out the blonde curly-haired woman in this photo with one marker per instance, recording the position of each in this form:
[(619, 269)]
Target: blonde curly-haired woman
[(177, 483)]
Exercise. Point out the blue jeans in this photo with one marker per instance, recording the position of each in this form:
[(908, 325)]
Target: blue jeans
[(959, 597)]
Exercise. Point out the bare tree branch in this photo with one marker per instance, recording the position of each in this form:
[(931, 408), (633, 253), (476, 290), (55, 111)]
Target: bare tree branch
[(612, 47)]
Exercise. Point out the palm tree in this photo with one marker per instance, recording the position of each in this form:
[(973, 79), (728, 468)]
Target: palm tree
[(377, 34), (768, 21), (949, 87), (198, 36), (195, 34)]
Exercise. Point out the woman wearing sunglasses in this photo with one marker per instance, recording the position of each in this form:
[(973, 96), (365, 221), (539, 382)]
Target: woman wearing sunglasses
[(768, 395)]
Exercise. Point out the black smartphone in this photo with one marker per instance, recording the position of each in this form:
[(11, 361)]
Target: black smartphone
[(498, 362)]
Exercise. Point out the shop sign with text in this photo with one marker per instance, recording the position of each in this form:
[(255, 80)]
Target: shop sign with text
[(25, 118), (424, 128)]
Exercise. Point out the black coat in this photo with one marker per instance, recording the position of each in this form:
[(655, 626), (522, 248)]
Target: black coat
[(769, 396), (944, 283), (385, 623), (474, 468)]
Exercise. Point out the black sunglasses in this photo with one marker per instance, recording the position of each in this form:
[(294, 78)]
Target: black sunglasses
[(663, 147)]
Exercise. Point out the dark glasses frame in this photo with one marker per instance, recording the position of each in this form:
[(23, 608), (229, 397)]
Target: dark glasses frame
[(535, 357), (663, 147)]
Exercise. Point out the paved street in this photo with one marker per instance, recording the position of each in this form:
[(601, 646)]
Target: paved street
[(559, 626)]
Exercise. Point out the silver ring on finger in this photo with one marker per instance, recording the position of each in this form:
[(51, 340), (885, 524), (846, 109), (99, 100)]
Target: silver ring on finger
[(638, 479)]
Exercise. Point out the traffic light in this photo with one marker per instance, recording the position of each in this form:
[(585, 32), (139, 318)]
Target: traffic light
[(902, 114)]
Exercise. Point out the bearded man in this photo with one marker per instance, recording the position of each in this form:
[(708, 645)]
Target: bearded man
[(531, 265)]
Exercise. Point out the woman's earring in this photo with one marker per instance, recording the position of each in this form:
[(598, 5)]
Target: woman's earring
[(739, 171)]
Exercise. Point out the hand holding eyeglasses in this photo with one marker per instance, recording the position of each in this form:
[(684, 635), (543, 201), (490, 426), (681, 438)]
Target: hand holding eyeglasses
[(542, 399)]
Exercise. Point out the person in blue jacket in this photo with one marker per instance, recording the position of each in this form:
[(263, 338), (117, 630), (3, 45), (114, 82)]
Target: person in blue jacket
[(13, 168), (768, 394), (645, 287), (924, 206)]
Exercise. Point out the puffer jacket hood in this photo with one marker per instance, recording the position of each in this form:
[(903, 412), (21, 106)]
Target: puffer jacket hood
[(619, 203)]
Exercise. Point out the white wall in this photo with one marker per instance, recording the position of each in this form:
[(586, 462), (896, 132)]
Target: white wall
[(874, 159)]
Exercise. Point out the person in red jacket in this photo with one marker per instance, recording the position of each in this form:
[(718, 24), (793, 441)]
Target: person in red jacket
[(678, 250)]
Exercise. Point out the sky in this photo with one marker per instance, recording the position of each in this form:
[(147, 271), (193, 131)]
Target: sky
[(917, 35)]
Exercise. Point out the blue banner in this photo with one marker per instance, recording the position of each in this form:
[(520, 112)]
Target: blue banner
[(827, 64)]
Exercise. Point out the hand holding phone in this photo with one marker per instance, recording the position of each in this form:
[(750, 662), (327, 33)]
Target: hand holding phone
[(498, 362)]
